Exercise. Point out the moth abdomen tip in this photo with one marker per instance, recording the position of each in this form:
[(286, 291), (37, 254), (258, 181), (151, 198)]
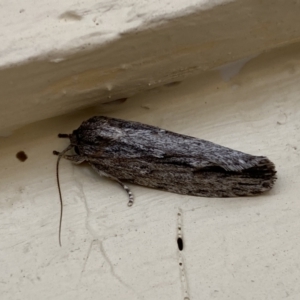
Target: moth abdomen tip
[(55, 152)]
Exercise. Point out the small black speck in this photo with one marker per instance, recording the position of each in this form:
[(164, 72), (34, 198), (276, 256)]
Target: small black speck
[(21, 156), (180, 244)]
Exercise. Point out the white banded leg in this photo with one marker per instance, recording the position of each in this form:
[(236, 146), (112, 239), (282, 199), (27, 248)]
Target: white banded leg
[(125, 187)]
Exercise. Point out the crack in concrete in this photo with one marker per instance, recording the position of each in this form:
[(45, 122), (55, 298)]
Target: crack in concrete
[(99, 240), (184, 282), (112, 270), (86, 260)]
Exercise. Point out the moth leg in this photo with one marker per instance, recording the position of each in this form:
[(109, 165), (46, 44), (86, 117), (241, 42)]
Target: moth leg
[(76, 159), (125, 187)]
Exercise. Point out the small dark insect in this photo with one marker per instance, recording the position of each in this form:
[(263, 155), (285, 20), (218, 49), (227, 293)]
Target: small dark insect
[(161, 159), (21, 156)]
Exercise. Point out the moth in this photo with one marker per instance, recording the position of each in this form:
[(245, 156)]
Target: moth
[(127, 151)]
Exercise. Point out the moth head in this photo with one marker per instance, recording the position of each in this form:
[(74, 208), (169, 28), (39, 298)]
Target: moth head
[(73, 141)]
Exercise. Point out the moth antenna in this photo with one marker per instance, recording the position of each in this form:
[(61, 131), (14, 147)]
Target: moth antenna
[(60, 155)]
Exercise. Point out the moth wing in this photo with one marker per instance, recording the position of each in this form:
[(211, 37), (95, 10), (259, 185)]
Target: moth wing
[(187, 180), (105, 138)]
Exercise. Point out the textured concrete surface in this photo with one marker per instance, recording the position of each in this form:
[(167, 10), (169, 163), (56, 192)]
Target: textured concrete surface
[(243, 248), (58, 57)]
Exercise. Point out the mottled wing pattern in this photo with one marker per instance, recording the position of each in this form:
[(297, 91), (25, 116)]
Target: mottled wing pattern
[(165, 160), (186, 180)]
